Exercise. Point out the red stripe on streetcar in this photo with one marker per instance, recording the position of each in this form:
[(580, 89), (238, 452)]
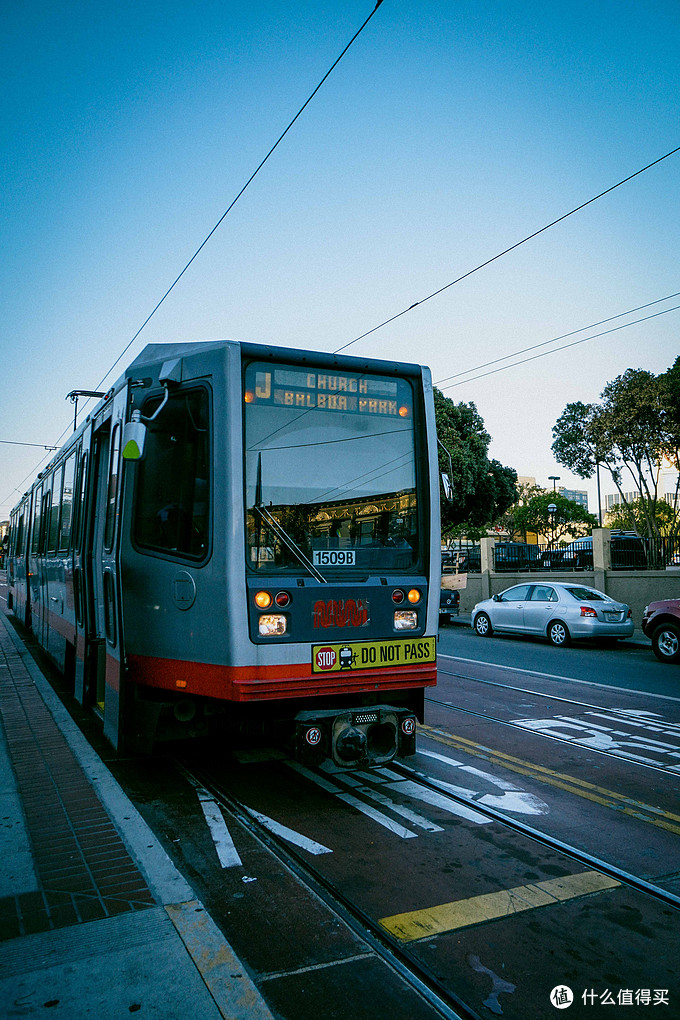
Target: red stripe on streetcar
[(260, 683)]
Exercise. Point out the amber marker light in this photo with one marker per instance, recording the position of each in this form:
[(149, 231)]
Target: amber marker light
[(403, 411), (249, 396), (263, 600), (413, 596)]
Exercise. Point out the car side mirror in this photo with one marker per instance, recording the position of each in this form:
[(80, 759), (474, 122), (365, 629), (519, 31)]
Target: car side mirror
[(498, 598)]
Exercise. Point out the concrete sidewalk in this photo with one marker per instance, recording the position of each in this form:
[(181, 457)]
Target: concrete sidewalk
[(95, 920)]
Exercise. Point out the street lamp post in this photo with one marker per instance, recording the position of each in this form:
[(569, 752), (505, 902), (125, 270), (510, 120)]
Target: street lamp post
[(552, 510), (554, 479)]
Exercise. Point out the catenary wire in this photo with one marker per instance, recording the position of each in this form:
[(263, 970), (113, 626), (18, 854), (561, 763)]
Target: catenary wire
[(506, 251), (563, 336), (556, 350), (222, 218), (243, 189), (41, 446)]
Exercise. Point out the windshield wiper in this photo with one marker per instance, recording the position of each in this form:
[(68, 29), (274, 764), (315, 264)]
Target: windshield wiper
[(290, 543)]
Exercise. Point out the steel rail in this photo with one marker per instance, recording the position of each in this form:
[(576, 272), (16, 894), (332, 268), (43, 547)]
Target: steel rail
[(550, 842), (546, 736), (413, 974)]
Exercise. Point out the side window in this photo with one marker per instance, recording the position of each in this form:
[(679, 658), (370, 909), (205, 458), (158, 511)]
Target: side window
[(112, 492), (53, 528), (67, 503), (542, 593), (172, 501), (518, 594), (37, 512), (18, 533)]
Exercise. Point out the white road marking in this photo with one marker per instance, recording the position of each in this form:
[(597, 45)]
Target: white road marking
[(619, 742), (377, 816), (224, 844), (349, 779), (411, 816), (513, 798), (440, 800), (290, 835)]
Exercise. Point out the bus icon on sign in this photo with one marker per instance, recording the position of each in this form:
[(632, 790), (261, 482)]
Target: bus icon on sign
[(325, 658)]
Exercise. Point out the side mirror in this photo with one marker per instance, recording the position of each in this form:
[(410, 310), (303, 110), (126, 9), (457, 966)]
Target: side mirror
[(448, 487), (134, 438), (498, 598)]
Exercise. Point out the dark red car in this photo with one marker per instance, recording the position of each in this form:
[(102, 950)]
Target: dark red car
[(661, 623)]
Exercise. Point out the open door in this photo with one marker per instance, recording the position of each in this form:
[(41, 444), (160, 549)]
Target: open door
[(105, 658)]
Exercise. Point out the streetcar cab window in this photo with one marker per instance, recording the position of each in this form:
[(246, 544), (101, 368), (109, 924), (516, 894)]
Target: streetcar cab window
[(330, 469), (172, 509)]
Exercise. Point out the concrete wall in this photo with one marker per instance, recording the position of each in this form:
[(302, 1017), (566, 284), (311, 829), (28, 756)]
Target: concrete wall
[(634, 587)]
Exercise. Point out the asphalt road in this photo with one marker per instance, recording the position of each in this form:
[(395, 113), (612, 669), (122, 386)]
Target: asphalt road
[(630, 664)]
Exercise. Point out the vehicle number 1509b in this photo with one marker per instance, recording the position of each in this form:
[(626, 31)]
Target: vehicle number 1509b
[(334, 557)]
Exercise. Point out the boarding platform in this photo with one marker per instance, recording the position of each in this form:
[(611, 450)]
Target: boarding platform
[(95, 920)]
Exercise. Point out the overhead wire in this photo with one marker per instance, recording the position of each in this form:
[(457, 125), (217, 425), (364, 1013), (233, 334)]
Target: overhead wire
[(225, 213), (506, 251), (556, 350), (555, 339), (236, 199)]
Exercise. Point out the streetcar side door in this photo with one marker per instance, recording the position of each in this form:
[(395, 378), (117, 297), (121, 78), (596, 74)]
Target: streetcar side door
[(103, 601), (36, 563)]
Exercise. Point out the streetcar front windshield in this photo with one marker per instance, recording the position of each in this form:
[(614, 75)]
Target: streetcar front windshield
[(330, 470)]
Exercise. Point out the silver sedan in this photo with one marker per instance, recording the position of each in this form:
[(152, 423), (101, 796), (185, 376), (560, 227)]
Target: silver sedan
[(559, 612)]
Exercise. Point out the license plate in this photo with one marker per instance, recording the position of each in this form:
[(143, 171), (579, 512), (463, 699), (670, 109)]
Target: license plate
[(359, 655)]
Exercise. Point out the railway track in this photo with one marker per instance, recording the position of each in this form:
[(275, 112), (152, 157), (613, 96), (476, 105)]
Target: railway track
[(574, 703), (364, 927), (403, 960)]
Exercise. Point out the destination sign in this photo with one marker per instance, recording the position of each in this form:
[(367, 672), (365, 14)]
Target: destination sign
[(324, 390)]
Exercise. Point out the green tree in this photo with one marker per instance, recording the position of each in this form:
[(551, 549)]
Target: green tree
[(636, 425), (568, 518), (481, 488), (632, 517), (512, 520)]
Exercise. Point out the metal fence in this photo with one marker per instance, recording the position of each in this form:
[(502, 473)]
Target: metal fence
[(628, 552), (462, 557)]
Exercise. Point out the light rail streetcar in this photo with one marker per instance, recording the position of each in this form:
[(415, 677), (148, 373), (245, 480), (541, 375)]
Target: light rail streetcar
[(247, 538)]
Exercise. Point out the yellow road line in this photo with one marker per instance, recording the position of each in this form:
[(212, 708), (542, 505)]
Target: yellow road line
[(598, 794), (420, 924)]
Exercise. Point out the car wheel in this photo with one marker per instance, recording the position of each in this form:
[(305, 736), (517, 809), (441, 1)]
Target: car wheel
[(558, 634), (483, 625), (666, 642)]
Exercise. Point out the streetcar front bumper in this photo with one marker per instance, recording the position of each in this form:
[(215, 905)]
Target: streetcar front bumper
[(355, 739)]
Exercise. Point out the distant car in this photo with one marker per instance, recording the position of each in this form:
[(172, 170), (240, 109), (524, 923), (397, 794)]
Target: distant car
[(449, 605), (559, 612), (627, 551), (515, 556), (661, 623)]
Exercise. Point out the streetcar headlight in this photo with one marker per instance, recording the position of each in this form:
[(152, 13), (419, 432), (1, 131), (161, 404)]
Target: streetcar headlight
[(272, 625), (405, 619)]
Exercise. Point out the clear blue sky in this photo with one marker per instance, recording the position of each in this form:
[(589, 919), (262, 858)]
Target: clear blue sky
[(449, 132)]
